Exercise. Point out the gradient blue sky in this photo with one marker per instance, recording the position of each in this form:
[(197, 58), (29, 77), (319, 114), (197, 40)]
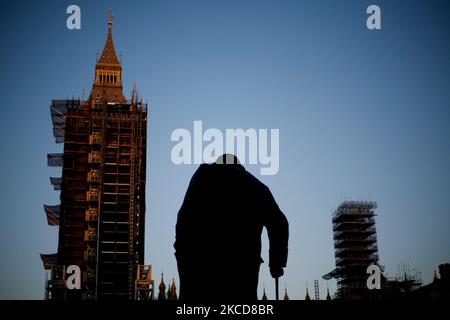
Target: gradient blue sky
[(362, 115)]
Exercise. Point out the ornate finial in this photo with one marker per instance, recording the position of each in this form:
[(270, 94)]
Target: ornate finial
[(110, 18)]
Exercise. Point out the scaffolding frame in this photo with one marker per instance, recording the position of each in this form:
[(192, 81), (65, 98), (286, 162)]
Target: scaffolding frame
[(355, 244), (102, 210)]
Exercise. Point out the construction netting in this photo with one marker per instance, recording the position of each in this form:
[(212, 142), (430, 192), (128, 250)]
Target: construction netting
[(48, 260), (58, 110), (52, 213), (56, 182), (55, 159)]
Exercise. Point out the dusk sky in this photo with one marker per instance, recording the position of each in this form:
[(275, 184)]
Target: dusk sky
[(362, 114)]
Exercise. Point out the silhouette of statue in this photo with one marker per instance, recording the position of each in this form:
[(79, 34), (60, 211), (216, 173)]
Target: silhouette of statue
[(218, 234)]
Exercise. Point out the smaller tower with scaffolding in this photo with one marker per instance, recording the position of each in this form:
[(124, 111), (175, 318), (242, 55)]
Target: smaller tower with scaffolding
[(355, 246)]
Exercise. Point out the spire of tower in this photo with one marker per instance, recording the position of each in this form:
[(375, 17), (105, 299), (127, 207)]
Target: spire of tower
[(286, 297), (161, 283), (172, 291), (162, 288), (109, 56), (108, 72), (307, 297), (328, 294)]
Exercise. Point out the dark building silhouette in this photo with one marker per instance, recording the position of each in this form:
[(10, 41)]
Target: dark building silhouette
[(218, 233), (101, 217), (408, 285), (172, 291), (307, 297), (439, 288), (286, 296), (162, 289)]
